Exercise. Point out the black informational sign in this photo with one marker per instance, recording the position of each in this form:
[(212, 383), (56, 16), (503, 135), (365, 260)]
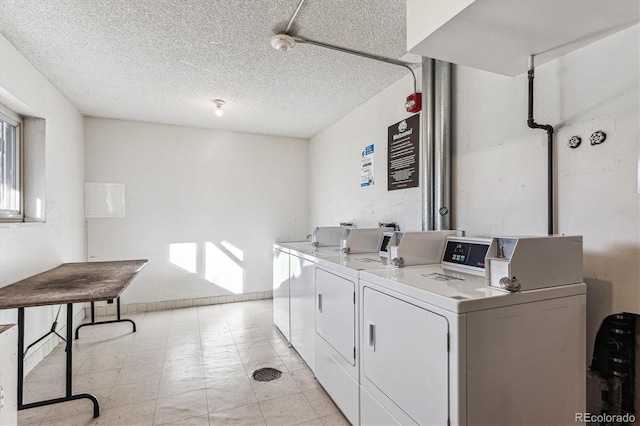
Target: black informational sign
[(403, 154)]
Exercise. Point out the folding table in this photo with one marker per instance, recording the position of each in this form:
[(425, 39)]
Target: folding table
[(67, 284)]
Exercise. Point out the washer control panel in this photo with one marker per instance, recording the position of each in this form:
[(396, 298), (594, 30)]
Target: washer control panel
[(468, 253)]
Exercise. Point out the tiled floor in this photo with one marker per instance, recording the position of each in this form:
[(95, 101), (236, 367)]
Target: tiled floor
[(188, 366)]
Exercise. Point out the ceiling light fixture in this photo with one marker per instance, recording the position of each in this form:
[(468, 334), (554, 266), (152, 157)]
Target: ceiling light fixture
[(219, 103), (283, 42)]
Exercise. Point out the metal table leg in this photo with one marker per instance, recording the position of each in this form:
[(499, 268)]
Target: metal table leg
[(93, 318), (69, 370), (53, 330)]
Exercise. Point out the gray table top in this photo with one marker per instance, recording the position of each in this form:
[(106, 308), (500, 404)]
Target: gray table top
[(72, 283)]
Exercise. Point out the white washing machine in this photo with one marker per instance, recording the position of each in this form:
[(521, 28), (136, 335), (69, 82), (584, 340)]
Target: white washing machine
[(281, 289), (336, 332), (441, 345), (337, 347), (302, 265), (294, 286), (291, 262)]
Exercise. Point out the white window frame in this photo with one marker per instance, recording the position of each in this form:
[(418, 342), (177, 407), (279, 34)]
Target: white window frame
[(8, 116)]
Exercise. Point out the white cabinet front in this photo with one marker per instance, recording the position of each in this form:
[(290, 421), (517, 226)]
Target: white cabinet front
[(8, 377), (281, 292), (336, 313), (405, 356), (302, 291)]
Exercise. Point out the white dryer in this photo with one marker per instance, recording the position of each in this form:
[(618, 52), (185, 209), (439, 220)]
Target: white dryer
[(337, 347), (337, 319), (302, 266), (293, 293), (281, 289), (294, 267), (440, 345)]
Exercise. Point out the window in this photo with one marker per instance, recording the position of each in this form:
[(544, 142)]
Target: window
[(11, 203)]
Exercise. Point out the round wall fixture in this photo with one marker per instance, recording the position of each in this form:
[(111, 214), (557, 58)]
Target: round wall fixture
[(574, 142), (283, 42), (598, 137)]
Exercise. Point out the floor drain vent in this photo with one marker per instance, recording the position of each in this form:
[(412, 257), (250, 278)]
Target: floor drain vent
[(266, 374)]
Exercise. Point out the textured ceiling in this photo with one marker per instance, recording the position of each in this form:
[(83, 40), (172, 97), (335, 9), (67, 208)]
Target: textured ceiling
[(164, 61)]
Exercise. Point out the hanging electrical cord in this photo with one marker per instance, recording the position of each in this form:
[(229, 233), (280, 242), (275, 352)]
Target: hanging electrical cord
[(549, 129)]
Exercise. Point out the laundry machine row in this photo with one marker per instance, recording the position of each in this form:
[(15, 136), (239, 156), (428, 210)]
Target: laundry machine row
[(445, 343), (317, 298), (454, 343), (294, 293)]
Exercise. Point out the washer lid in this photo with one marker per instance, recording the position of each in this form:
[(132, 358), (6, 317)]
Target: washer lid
[(353, 264), (457, 291)]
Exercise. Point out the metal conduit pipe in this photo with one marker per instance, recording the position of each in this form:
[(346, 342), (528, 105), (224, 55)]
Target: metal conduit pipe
[(549, 129), (391, 61), (427, 124), (293, 17), (442, 172)]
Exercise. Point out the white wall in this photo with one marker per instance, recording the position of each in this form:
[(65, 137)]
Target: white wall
[(336, 195), (219, 198), (28, 249), (499, 164)]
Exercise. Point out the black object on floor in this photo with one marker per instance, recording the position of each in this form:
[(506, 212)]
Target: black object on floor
[(266, 374)]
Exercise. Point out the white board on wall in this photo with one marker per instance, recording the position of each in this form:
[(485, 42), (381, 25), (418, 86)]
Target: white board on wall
[(104, 200)]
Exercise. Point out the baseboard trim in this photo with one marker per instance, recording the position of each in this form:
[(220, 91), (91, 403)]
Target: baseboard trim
[(133, 308)]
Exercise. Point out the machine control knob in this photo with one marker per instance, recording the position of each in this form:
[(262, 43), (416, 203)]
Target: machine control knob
[(397, 261), (346, 250), (614, 345), (510, 284)]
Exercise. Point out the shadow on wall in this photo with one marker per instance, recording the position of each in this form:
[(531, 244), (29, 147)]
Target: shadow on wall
[(220, 264), (564, 74), (599, 302)]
